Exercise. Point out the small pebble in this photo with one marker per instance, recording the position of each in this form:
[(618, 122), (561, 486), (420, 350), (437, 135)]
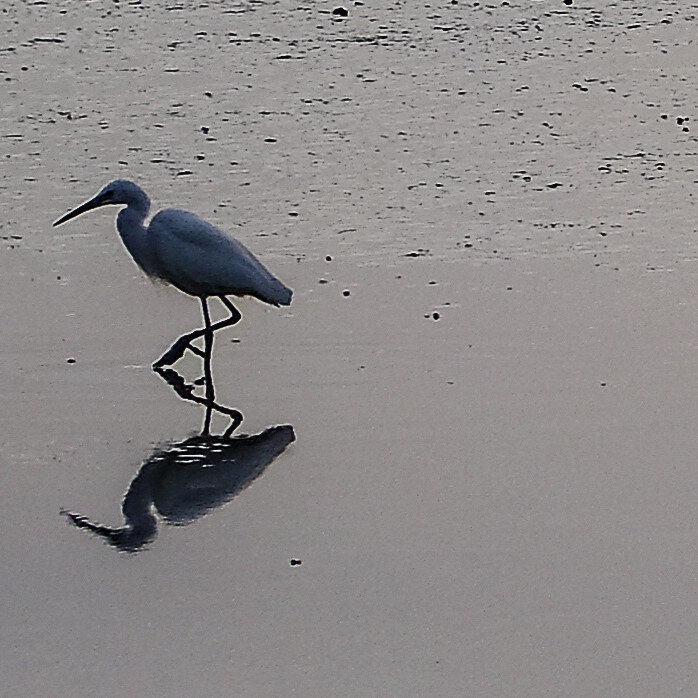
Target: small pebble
[(340, 12), (71, 360), (435, 315), (346, 292), (295, 562)]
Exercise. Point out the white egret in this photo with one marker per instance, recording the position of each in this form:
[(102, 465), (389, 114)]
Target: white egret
[(194, 256)]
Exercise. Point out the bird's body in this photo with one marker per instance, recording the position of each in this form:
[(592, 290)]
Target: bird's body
[(201, 260), (184, 250)]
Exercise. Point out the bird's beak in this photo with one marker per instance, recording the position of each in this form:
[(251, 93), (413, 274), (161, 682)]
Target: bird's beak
[(97, 201)]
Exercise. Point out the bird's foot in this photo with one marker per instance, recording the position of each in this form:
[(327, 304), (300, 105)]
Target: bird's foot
[(176, 352), (172, 355)]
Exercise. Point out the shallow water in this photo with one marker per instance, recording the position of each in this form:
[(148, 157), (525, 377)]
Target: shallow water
[(492, 484)]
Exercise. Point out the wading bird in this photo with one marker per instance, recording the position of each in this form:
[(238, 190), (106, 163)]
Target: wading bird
[(194, 256)]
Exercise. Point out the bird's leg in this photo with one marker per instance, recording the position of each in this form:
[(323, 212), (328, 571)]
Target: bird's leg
[(176, 351), (195, 350), (208, 348), (235, 315)]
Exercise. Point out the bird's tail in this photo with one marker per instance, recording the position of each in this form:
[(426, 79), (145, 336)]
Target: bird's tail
[(276, 293)]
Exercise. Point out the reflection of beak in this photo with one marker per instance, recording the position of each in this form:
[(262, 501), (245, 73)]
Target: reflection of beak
[(87, 206)]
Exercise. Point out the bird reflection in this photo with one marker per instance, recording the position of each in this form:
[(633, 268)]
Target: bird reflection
[(184, 481), (186, 392)]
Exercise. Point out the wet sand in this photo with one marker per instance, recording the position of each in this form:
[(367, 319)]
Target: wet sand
[(492, 485)]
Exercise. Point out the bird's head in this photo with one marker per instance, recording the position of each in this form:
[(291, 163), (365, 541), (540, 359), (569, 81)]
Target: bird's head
[(120, 191)]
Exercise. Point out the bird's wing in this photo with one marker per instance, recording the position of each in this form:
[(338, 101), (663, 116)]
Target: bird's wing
[(200, 259)]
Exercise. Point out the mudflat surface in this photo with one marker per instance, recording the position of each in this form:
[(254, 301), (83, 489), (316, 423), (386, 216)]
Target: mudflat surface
[(487, 214)]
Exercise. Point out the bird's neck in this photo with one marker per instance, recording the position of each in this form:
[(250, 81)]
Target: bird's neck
[(131, 219), (129, 223), (140, 524)]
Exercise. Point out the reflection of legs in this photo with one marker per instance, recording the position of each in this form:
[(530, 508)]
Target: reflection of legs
[(176, 351), (186, 392)]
